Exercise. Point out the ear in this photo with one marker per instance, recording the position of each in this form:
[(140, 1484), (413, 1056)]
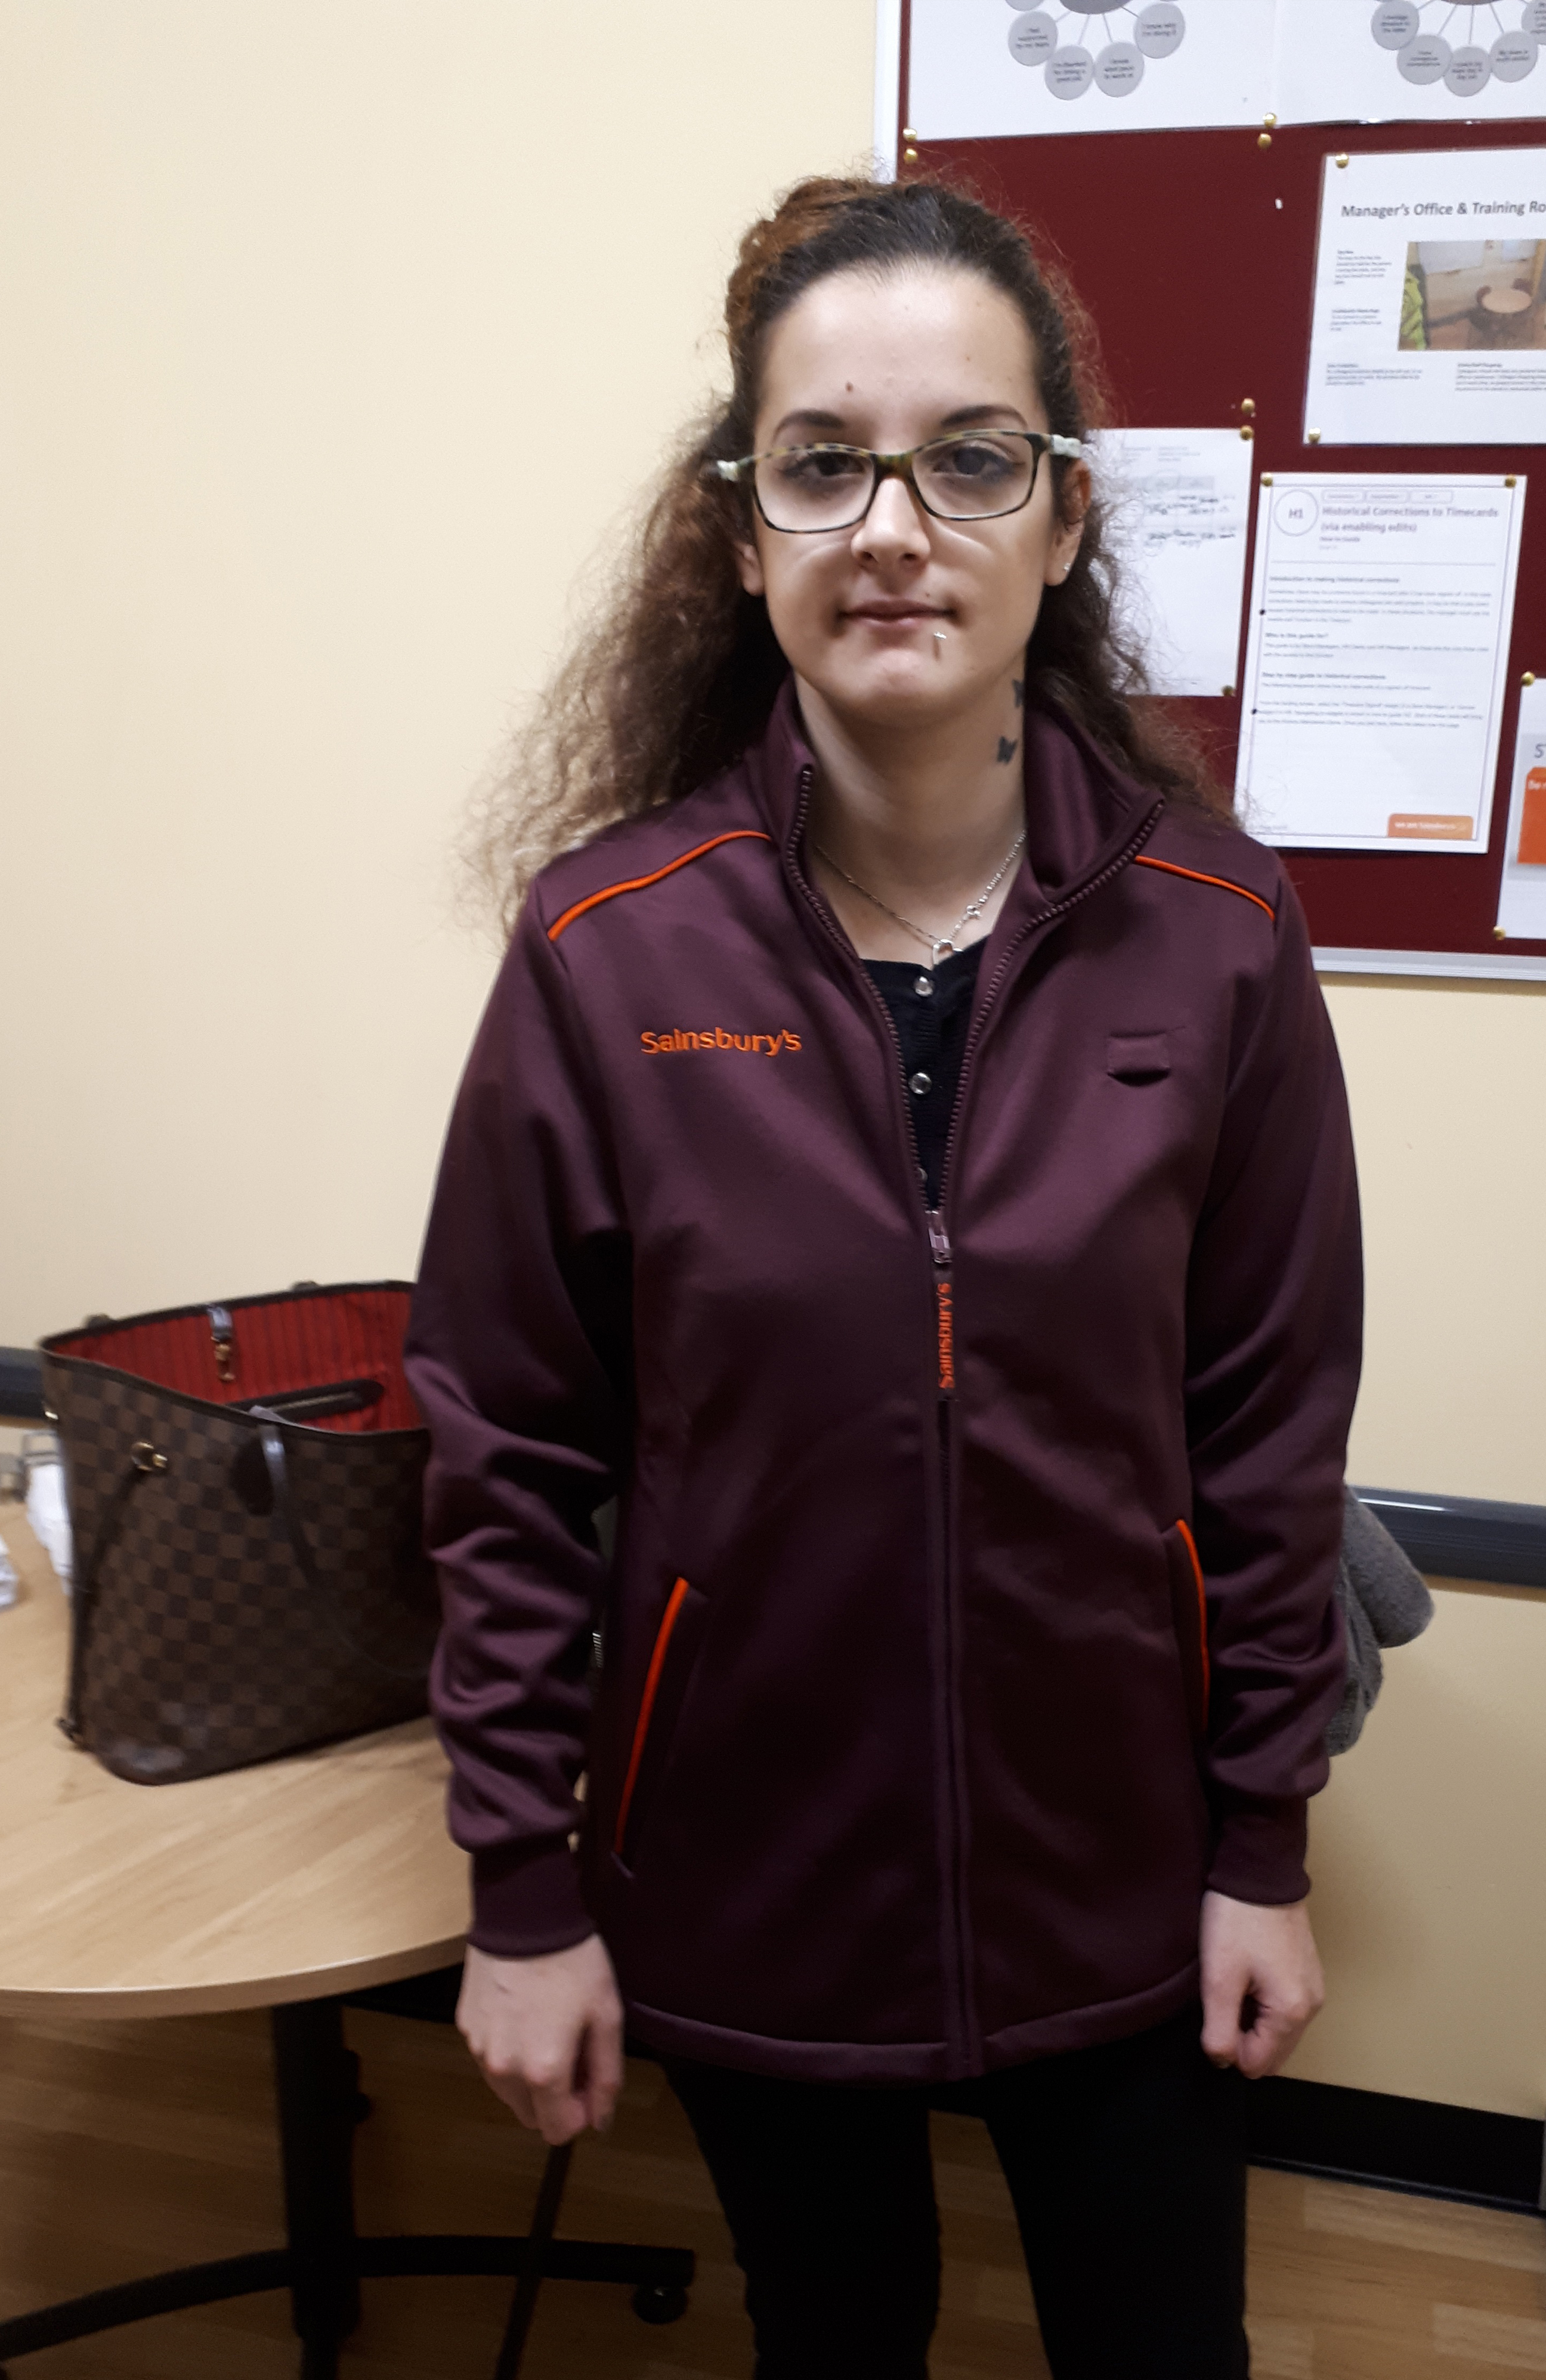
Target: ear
[(748, 564), (1075, 496)]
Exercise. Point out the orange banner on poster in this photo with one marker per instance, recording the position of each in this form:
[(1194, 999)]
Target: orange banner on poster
[(1426, 826), (1532, 822)]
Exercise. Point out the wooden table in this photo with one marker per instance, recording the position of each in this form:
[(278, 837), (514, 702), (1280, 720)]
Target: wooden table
[(317, 1875), (285, 1886)]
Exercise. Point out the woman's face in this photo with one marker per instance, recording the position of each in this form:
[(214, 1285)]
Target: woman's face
[(887, 362)]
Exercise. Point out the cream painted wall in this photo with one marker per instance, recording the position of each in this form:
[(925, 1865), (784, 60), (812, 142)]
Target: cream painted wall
[(1447, 1085), (1428, 1856), (309, 307), (1428, 1849), (292, 296)]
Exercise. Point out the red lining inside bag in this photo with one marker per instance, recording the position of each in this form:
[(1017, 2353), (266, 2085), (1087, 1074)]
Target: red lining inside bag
[(278, 1345)]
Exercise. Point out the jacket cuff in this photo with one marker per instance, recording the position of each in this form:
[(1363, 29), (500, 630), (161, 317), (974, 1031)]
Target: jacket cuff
[(1259, 1854), (527, 1902)]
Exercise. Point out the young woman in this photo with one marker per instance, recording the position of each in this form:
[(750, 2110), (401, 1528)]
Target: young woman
[(904, 1161)]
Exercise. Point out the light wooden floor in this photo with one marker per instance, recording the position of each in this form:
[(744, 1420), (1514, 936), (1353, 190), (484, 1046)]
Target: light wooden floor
[(128, 2147)]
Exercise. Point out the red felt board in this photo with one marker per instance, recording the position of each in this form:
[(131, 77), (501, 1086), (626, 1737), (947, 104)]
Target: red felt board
[(1200, 288)]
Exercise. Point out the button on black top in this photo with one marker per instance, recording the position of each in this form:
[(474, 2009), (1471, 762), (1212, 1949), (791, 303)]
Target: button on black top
[(931, 1014)]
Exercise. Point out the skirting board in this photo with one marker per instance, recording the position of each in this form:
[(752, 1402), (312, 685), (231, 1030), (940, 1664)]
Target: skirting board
[(1498, 966), (1418, 2145)]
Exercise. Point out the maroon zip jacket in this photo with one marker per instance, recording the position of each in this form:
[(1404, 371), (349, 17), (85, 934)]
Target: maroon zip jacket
[(971, 1610)]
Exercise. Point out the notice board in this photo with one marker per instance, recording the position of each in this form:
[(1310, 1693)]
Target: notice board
[(1194, 253)]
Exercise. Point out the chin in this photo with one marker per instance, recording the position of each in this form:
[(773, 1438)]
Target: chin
[(903, 688)]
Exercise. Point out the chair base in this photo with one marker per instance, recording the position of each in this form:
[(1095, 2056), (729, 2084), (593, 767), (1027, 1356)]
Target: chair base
[(324, 2259)]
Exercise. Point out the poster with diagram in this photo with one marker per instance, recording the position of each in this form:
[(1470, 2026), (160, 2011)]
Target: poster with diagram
[(1427, 61), (981, 70)]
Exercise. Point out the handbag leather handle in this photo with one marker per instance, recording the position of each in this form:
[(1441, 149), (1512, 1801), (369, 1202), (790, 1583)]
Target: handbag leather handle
[(272, 1439)]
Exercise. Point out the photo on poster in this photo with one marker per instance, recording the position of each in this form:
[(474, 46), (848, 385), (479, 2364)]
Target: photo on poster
[(1380, 611), (1462, 295), (1425, 61), (1522, 894), (1177, 506), (1429, 326), (981, 70)]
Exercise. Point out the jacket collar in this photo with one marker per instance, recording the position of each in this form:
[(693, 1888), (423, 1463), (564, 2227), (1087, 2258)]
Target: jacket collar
[(1081, 811)]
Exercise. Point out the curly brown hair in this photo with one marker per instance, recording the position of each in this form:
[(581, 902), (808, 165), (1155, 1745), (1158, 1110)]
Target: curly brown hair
[(677, 672)]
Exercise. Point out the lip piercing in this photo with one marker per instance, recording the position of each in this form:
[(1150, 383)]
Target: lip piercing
[(939, 644)]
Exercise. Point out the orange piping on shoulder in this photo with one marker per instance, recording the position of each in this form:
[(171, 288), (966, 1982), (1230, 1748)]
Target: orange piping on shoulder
[(1190, 1543), (638, 883), (1197, 877)]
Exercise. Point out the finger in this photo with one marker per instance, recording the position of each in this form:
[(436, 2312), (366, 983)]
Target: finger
[(603, 2069), (1270, 2042), (560, 2113), (1222, 2038)]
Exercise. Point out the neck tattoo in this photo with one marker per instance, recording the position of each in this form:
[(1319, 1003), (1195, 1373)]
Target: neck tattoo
[(940, 946)]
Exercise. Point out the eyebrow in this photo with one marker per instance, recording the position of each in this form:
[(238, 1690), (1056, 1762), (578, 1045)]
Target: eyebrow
[(964, 416)]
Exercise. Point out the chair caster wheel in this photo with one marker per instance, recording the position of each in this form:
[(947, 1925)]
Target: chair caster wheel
[(660, 2305)]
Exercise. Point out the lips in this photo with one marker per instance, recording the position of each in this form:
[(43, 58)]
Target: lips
[(894, 614)]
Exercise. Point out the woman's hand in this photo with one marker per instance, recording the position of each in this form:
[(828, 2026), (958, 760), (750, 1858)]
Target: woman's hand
[(1269, 1955), (548, 2034)]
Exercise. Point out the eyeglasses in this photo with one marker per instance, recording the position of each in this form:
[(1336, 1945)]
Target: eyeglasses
[(972, 475)]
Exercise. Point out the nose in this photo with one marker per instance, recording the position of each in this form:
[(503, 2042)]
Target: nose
[(896, 527)]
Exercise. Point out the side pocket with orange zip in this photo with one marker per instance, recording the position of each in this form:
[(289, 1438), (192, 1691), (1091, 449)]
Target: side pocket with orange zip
[(1189, 1614), (671, 1662)]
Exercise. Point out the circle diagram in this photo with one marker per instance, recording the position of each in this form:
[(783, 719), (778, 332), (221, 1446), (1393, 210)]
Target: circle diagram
[(1061, 41), (1296, 511), (1465, 46)]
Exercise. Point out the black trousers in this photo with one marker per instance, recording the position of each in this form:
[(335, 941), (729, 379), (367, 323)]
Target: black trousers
[(1125, 2165)]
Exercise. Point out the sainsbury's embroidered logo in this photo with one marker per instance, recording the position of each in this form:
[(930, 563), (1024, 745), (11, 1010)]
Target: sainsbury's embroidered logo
[(753, 1045)]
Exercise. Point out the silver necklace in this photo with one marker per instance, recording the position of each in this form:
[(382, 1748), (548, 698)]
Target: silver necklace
[(940, 946)]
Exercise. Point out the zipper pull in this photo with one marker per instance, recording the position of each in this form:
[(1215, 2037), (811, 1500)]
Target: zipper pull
[(944, 1301)]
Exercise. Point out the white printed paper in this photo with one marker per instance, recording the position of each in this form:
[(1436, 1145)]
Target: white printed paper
[(1380, 616), (1522, 895), (1429, 320), (979, 70), (1179, 505), (1432, 61)]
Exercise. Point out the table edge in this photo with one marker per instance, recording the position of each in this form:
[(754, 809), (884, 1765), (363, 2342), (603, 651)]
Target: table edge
[(245, 1991)]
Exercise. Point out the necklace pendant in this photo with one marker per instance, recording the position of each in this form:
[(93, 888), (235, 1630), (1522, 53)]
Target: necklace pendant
[(943, 949)]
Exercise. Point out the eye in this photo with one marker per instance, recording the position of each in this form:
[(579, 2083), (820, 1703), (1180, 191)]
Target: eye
[(814, 466), (987, 459)]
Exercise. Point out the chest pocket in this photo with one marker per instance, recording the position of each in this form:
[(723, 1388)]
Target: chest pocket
[(1137, 1058)]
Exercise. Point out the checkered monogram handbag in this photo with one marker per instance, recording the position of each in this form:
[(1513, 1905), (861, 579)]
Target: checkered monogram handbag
[(245, 1495)]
